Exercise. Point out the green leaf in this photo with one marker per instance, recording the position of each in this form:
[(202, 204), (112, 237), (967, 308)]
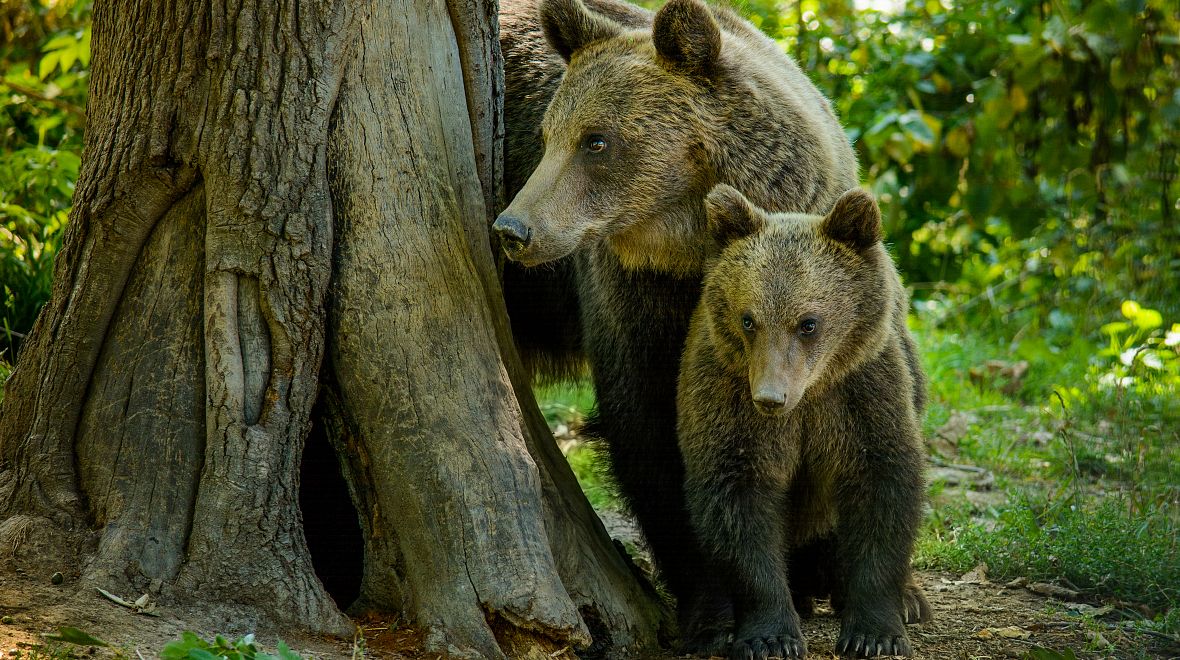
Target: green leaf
[(47, 124), (958, 142), (75, 636), (48, 63), (919, 60), (1060, 320), (69, 162), (286, 653), (1130, 309), (885, 120), (84, 47), (917, 128), (179, 649), (68, 56), (59, 42), (1148, 319)]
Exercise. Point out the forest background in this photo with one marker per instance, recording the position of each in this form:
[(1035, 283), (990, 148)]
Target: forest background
[(1025, 155)]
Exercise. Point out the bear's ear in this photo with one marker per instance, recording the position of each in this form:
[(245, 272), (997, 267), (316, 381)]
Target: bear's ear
[(569, 25), (855, 220), (730, 215), (686, 34)]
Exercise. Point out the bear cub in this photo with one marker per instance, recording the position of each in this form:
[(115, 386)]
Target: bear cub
[(798, 426)]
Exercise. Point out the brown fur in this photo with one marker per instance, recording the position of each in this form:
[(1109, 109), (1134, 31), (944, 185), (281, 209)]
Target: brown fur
[(839, 461)]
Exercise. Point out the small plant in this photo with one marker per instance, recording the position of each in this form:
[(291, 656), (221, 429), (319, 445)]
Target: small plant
[(192, 647), (938, 545)]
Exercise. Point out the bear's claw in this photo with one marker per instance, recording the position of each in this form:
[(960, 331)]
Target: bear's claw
[(762, 648), (871, 646), (917, 609)]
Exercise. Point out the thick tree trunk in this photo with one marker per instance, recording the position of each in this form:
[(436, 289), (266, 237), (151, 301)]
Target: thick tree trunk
[(261, 181)]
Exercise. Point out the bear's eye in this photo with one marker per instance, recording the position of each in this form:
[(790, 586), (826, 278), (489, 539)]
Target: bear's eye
[(747, 322), (808, 326), (595, 144)]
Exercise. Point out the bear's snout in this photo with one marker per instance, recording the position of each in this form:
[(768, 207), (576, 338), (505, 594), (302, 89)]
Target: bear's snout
[(514, 234), (770, 402)]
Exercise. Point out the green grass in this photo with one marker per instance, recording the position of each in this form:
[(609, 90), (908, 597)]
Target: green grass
[(1091, 473), (1100, 546), (566, 403)]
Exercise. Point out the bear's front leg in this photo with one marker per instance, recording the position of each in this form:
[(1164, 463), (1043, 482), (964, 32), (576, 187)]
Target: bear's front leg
[(741, 526), (880, 500)]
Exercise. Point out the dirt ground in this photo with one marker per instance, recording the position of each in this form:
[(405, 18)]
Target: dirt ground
[(974, 618)]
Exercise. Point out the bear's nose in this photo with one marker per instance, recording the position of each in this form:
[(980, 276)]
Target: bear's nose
[(770, 402), (513, 233)]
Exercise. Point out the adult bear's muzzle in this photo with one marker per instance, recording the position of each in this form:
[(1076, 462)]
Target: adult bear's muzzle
[(514, 235)]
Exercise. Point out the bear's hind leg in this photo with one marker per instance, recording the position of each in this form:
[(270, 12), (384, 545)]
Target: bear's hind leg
[(810, 568)]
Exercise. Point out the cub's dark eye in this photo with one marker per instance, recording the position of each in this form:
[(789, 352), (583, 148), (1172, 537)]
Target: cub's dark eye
[(808, 326), (747, 322), (595, 144)]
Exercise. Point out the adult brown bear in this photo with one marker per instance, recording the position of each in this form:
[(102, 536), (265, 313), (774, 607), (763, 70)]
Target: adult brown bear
[(619, 122)]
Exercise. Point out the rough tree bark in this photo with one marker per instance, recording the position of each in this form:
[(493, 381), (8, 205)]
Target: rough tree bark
[(263, 183)]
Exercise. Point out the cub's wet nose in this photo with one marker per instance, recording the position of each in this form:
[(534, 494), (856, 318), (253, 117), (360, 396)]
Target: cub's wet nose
[(769, 402), (512, 232)]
